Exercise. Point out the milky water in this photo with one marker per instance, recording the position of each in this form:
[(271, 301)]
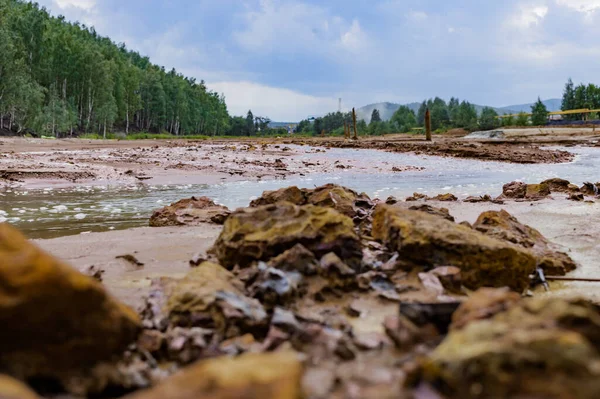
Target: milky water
[(58, 212)]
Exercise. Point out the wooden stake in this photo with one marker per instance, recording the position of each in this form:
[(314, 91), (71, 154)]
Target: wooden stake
[(582, 279), (428, 125), (354, 122)]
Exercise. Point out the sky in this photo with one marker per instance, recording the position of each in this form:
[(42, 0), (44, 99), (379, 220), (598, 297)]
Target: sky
[(291, 59)]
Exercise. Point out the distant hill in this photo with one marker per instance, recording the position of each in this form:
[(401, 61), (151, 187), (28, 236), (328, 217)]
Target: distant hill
[(386, 109)]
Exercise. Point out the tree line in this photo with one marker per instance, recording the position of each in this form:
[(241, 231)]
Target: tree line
[(60, 78), (580, 97)]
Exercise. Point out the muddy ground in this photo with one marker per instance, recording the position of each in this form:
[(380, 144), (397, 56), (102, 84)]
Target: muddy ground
[(40, 163)]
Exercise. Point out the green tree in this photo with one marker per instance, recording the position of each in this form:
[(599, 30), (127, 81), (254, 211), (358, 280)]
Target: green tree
[(488, 119), (250, 128), (375, 117), (465, 116), (404, 119), (539, 113), (508, 120), (522, 119), (421, 114)]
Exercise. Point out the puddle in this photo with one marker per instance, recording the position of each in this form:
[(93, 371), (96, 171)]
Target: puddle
[(47, 213)]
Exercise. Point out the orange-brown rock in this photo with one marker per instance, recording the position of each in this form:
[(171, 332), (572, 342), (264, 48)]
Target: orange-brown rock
[(504, 226), (292, 194), (484, 303), (427, 240), (523, 191), (262, 233), (251, 376), (557, 185), (190, 212), (443, 212), (54, 319), (15, 389), (211, 296), (444, 198), (539, 348)]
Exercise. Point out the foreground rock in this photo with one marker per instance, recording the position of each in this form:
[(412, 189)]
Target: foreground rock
[(209, 296), (55, 321), (557, 185), (428, 240), (539, 348), (14, 389), (262, 233), (190, 212), (502, 225), (250, 376)]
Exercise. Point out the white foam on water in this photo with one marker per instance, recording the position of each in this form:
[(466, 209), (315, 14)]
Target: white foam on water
[(60, 208), (80, 216)]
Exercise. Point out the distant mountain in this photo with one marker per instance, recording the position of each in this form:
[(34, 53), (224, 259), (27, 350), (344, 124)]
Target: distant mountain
[(386, 109)]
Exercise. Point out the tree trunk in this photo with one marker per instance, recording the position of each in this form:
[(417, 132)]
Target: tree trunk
[(127, 118), (104, 135)]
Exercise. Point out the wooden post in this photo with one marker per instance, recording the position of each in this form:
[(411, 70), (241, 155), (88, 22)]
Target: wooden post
[(354, 122), (428, 125)]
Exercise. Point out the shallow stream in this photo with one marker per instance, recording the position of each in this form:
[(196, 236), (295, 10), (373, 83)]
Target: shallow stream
[(53, 212)]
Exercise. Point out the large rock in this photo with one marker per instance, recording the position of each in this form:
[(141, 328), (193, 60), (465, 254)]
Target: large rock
[(291, 194), (14, 389), (483, 304), (502, 225), (428, 240), (262, 233), (443, 212), (54, 319), (557, 185), (342, 199), (523, 191), (190, 212), (540, 348), (212, 297), (250, 376)]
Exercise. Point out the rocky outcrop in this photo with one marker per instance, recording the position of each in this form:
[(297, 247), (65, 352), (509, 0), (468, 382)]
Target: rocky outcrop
[(541, 347), (557, 185), (523, 191), (342, 199), (292, 194), (483, 304), (54, 320), (262, 233), (502, 225), (250, 376), (190, 212), (428, 240), (444, 198)]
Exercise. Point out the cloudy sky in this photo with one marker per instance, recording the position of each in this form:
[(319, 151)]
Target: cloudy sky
[(288, 59)]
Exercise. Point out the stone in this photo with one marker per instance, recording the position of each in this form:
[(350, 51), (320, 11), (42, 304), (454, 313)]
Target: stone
[(442, 212), (292, 194), (444, 197), (274, 287), (391, 200), (590, 188), (578, 197), (55, 321), (475, 200), (298, 258), (557, 185), (11, 388), (450, 278), (210, 296), (275, 375), (190, 212), (541, 347), (338, 273), (437, 314), (340, 198), (416, 197), (262, 233), (523, 191), (502, 225), (484, 304), (427, 240)]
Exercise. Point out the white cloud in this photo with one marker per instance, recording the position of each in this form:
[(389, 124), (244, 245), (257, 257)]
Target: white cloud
[(417, 16), (529, 15), (354, 39), (279, 104), (86, 5), (585, 6)]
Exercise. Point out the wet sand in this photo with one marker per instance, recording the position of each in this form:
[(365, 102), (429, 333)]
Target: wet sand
[(41, 163)]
